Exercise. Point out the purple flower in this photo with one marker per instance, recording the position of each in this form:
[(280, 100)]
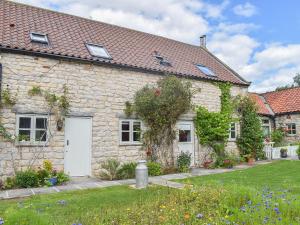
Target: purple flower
[(1, 221), (62, 202), (199, 216)]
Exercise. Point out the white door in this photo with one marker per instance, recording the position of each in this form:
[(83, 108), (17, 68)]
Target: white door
[(185, 137), (78, 143)]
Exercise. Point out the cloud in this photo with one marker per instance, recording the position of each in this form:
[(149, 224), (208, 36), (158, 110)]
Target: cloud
[(246, 10)]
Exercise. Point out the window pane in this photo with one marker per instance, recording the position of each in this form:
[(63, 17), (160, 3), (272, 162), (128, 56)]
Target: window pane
[(125, 136), (24, 135), (184, 136), (136, 126), (266, 131), (25, 122), (125, 125), (232, 134), (40, 135), (41, 123), (136, 136)]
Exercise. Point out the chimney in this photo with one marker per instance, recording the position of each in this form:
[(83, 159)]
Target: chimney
[(203, 41)]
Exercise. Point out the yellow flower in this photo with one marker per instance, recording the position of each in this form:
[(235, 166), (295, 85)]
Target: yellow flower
[(162, 206), (186, 216)]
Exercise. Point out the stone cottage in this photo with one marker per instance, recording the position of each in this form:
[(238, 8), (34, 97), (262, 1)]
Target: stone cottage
[(102, 66), (280, 109)]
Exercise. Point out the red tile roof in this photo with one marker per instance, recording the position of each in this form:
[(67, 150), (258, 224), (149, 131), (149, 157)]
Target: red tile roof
[(284, 101), (262, 106), (68, 34)]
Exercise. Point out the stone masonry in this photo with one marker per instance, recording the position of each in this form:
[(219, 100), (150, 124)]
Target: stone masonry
[(94, 90)]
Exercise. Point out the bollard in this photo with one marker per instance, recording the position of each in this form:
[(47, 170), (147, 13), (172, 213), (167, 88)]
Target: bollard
[(141, 174)]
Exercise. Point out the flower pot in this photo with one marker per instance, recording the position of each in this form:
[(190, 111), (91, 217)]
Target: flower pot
[(283, 154), (251, 161), (53, 181)]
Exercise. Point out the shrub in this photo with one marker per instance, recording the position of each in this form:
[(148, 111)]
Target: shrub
[(127, 171), (42, 176), (27, 178), (184, 162), (10, 183), (62, 177), (277, 136), (110, 169), (154, 168), (298, 150), (47, 165)]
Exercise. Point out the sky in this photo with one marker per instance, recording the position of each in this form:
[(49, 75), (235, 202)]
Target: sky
[(260, 39)]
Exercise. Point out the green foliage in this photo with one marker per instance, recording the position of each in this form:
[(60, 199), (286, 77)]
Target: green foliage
[(184, 162), (7, 99), (127, 171), (27, 178), (110, 169), (47, 165), (154, 168), (42, 176), (5, 134), (212, 127), (298, 150), (277, 136), (160, 107), (35, 90), (128, 109), (9, 183), (62, 177), (251, 134)]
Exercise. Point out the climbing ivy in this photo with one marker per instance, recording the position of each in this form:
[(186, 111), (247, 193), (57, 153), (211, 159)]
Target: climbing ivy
[(159, 107), (212, 127), (7, 99)]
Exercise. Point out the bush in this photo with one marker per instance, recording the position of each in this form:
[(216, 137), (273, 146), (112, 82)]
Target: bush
[(27, 178), (298, 150), (42, 175), (127, 171), (62, 177), (277, 136), (184, 162), (110, 169), (154, 168), (10, 183)]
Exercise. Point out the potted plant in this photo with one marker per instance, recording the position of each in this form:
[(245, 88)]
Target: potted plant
[(51, 180), (298, 152), (250, 159), (228, 163), (283, 152), (207, 163)]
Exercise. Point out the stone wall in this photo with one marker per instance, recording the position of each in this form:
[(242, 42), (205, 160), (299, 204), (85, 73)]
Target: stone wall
[(281, 121), (94, 90)]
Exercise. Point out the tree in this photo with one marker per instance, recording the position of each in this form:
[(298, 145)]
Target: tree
[(296, 83), (251, 134), (297, 79)]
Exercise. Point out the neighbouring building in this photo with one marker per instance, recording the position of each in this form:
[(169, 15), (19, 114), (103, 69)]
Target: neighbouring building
[(280, 109), (102, 66)]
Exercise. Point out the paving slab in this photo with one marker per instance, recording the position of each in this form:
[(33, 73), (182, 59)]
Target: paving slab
[(43, 190), (3, 194), (19, 193)]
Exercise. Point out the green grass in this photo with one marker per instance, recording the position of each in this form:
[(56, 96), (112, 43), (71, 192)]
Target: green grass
[(267, 193), (277, 175)]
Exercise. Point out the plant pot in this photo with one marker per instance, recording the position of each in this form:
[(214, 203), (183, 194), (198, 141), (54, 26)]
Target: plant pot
[(251, 161), (53, 181), (283, 155)]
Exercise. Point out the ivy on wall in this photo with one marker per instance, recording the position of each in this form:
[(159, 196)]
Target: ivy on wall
[(212, 127), (159, 107)]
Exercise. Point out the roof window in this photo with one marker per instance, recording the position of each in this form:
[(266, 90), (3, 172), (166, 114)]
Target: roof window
[(98, 51), (163, 61), (206, 70), (40, 38)]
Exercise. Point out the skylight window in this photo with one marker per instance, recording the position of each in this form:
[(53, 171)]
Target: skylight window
[(206, 70), (98, 51), (163, 61), (40, 38)]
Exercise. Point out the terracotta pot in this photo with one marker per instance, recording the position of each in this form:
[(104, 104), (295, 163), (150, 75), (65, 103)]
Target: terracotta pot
[(251, 161)]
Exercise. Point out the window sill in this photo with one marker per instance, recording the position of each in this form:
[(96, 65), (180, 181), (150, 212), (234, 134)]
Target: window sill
[(130, 144)]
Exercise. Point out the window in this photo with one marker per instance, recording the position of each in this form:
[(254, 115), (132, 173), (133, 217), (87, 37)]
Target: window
[(232, 131), (41, 38), (130, 131), (291, 128), (98, 51), (266, 128), (32, 128), (163, 61), (206, 70), (184, 133)]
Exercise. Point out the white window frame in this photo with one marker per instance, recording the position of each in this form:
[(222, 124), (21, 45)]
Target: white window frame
[(131, 122), (32, 129), (266, 124), (235, 131), (291, 129)]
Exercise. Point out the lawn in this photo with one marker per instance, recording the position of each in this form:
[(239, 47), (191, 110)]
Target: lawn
[(266, 194)]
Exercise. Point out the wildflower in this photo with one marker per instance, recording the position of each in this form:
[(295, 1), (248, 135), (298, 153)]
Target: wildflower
[(276, 210), (1, 221), (163, 206), (199, 216), (62, 202), (249, 202), (186, 216), (243, 209)]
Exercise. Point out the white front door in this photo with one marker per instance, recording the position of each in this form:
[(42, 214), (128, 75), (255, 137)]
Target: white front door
[(78, 143), (185, 137)]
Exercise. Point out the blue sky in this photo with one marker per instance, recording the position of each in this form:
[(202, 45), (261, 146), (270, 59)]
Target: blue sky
[(260, 39)]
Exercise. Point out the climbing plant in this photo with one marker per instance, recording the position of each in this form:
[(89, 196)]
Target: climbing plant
[(7, 100), (250, 141), (160, 106), (212, 127)]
